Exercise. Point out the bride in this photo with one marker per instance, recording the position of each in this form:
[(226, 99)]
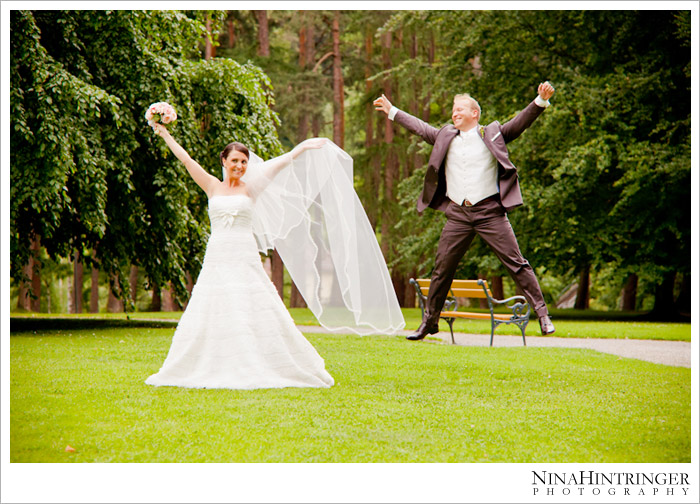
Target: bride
[(236, 332)]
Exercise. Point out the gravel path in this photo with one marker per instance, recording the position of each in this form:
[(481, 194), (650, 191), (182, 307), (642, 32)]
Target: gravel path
[(670, 353)]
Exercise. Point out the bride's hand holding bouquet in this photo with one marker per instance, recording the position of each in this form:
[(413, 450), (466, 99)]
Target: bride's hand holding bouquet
[(158, 114), (162, 113)]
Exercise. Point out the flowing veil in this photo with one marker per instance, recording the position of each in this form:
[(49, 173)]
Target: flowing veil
[(311, 214)]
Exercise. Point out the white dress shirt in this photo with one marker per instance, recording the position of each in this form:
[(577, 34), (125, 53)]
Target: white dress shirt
[(471, 171)]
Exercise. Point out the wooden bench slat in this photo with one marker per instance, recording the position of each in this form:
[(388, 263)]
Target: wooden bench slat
[(469, 293), (459, 288), (466, 284)]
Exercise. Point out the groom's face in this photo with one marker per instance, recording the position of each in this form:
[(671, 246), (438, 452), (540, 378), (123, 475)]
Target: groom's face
[(464, 116)]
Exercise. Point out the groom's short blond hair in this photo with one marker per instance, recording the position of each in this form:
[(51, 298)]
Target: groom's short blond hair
[(472, 103)]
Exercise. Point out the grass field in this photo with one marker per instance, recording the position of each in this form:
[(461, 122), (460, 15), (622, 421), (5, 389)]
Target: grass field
[(394, 401)]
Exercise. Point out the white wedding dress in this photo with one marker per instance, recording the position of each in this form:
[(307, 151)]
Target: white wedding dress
[(236, 332)]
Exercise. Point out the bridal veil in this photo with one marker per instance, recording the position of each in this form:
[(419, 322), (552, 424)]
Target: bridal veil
[(311, 214)]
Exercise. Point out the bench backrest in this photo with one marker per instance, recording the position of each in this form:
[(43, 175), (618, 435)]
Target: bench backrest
[(460, 288)]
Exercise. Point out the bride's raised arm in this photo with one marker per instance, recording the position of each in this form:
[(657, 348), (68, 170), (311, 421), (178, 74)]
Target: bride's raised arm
[(276, 165), (203, 179)]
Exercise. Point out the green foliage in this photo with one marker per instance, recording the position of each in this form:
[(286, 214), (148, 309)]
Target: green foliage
[(87, 172), (58, 183), (424, 403), (605, 172)]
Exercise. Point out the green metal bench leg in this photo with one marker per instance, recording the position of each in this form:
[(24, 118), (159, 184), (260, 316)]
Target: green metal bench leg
[(522, 329), (451, 321), (493, 328)]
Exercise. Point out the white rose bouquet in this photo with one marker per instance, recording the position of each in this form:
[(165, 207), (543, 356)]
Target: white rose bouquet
[(160, 112)]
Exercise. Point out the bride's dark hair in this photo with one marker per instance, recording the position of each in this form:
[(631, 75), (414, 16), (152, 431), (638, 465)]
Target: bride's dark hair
[(233, 146)]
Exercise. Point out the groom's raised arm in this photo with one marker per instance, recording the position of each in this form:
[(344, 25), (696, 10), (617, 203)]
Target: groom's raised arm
[(411, 123), (513, 128)]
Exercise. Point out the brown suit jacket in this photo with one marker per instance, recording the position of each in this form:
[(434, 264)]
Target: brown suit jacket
[(495, 136)]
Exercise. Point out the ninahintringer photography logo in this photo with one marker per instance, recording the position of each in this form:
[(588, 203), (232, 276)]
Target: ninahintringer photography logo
[(557, 484)]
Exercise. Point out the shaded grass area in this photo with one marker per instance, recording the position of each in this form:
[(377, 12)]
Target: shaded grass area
[(393, 401), (629, 328)]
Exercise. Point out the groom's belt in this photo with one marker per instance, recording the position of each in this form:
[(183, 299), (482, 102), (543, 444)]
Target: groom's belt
[(495, 197)]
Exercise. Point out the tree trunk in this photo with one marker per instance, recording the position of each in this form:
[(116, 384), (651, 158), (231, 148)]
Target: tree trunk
[(277, 267), (583, 293), (24, 301), (338, 93), (36, 276), (410, 291), (189, 286), (306, 41), (231, 34), (156, 301), (296, 300), (27, 289), (263, 34), (114, 304), (316, 125), (94, 290), (169, 303), (629, 293), (310, 41), (399, 282), (209, 48), (496, 286), (311, 58), (302, 41), (77, 293)]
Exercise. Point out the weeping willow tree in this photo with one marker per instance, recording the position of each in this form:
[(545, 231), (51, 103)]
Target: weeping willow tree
[(88, 177)]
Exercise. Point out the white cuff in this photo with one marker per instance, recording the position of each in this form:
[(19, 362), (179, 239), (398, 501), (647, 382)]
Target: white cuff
[(392, 112), (540, 102)]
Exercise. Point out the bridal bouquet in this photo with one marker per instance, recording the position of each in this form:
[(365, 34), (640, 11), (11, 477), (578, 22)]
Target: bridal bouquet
[(160, 112)]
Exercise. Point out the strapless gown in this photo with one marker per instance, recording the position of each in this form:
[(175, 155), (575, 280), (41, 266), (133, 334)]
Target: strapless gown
[(236, 332)]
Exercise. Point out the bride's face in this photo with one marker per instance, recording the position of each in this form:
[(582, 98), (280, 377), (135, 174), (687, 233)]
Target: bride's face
[(235, 164)]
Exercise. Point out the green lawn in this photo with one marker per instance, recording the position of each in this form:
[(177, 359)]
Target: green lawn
[(394, 401)]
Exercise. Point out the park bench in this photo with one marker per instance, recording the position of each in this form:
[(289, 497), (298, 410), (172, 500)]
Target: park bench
[(478, 289)]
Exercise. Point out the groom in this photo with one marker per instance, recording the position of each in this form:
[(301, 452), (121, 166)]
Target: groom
[(471, 178)]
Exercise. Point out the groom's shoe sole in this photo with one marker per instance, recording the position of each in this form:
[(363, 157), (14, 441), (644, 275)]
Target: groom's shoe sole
[(420, 334)]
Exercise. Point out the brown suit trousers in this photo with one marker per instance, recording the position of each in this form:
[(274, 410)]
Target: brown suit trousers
[(488, 219)]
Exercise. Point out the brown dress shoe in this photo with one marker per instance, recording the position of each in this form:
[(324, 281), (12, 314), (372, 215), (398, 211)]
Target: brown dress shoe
[(546, 325), (422, 332)]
